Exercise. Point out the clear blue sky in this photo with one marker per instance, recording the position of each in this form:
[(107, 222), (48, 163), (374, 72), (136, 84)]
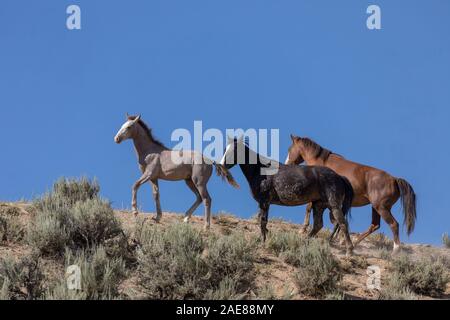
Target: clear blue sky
[(306, 67)]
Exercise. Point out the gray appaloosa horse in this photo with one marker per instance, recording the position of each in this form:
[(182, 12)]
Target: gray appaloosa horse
[(156, 161)]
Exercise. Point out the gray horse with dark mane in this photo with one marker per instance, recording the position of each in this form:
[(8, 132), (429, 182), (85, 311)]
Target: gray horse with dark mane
[(156, 161)]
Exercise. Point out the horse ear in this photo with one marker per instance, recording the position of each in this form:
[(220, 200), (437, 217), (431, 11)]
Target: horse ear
[(294, 138), (127, 116), (137, 119)]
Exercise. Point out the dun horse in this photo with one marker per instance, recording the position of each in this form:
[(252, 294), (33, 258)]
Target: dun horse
[(292, 186), (370, 185), (156, 162)]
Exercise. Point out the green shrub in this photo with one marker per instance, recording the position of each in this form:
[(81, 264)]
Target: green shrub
[(10, 227), (72, 215), (176, 263), (48, 233), (446, 240), (395, 290), (21, 279), (280, 242), (67, 192), (100, 274), (318, 272), (60, 291), (381, 241), (427, 276), (93, 221)]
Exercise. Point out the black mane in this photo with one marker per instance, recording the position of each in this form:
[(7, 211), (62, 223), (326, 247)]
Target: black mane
[(148, 130)]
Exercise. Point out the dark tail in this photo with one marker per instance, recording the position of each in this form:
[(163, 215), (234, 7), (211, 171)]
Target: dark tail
[(225, 174), (347, 205), (408, 198)]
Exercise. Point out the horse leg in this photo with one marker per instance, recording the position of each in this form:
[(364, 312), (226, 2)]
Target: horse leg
[(393, 224), (336, 228), (155, 191), (264, 217), (203, 191), (339, 216), (373, 227), (197, 202), (307, 218), (143, 179), (318, 219)]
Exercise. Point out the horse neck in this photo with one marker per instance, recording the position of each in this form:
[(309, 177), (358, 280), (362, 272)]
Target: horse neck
[(311, 159), (251, 171), (144, 145)]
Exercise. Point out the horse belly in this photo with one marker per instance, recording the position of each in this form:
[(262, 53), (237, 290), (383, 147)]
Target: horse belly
[(294, 195)]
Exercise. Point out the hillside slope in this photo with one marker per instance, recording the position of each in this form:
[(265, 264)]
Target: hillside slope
[(274, 277)]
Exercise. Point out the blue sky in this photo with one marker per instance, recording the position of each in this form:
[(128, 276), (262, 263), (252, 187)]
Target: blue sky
[(306, 67)]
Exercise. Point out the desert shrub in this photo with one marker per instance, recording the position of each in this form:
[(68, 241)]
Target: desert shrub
[(446, 240), (427, 276), (67, 192), (10, 227), (60, 291), (93, 221), (381, 241), (48, 232), (21, 279), (318, 271), (230, 255), (100, 274), (395, 290), (72, 215), (281, 242), (266, 292), (176, 263)]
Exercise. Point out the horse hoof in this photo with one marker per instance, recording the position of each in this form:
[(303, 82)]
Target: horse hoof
[(397, 249), (206, 228), (135, 212), (186, 220), (157, 219)]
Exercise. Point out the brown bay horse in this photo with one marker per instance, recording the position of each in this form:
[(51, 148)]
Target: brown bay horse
[(371, 186), (156, 162)]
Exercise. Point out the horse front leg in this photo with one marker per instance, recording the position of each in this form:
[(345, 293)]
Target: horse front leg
[(155, 191), (143, 179), (307, 218), (264, 218)]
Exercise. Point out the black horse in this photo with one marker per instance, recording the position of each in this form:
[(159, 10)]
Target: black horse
[(288, 185)]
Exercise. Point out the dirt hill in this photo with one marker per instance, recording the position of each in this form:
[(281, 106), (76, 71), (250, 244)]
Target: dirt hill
[(274, 276)]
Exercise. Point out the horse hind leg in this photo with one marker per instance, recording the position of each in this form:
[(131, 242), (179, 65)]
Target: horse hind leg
[(393, 224), (197, 202), (375, 225), (318, 210), (206, 198), (155, 190), (339, 216)]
